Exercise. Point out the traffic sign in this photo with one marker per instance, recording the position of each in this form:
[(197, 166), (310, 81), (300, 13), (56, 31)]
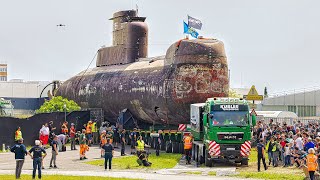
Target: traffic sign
[(253, 95), (253, 112)]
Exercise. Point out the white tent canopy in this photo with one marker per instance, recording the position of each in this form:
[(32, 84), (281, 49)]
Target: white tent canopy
[(277, 114)]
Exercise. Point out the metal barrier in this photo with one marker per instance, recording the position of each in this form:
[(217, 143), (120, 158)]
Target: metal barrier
[(290, 121)]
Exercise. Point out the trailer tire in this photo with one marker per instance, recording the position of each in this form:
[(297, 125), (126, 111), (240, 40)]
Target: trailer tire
[(244, 162), (168, 147), (208, 162), (163, 145), (181, 148), (175, 147)]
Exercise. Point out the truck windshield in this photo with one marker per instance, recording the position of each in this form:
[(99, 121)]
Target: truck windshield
[(231, 118)]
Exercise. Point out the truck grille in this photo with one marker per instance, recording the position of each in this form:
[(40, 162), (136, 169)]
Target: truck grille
[(230, 136)]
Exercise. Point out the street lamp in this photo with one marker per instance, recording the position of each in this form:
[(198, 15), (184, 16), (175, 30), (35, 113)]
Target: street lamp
[(65, 111)]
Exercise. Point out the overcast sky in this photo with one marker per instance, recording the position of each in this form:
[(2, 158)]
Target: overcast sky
[(271, 43)]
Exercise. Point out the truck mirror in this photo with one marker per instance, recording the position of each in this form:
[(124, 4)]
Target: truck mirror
[(205, 119), (254, 121)]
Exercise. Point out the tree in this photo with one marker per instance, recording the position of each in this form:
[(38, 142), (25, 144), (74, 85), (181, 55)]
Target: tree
[(56, 104), (233, 93), (265, 92)]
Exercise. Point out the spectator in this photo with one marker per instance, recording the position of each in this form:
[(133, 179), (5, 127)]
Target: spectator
[(36, 154), (20, 152), (260, 149), (61, 141), (309, 145), (109, 151), (54, 152), (73, 137), (299, 142)]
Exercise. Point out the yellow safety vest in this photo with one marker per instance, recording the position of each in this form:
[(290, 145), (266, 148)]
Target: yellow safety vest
[(140, 146), (18, 135), (94, 127)]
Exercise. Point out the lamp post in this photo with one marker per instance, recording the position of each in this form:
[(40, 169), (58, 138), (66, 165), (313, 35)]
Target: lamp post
[(65, 111)]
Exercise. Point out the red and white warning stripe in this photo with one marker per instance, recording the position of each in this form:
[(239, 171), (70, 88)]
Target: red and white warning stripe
[(245, 148), (214, 148), (182, 127)]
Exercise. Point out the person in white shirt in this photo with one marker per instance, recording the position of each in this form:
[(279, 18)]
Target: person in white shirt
[(299, 142), (44, 134)]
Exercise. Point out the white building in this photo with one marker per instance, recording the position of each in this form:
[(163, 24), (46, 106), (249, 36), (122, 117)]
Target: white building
[(304, 103), (17, 88)]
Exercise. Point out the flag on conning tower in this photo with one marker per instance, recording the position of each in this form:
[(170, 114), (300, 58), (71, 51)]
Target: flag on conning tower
[(194, 23), (189, 30)]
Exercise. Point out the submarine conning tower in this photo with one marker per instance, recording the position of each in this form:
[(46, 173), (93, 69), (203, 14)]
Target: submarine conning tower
[(130, 40)]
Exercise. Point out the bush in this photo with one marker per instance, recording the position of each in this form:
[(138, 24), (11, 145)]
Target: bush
[(56, 104)]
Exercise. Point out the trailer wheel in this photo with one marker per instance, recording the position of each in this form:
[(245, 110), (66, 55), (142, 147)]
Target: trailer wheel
[(181, 148), (244, 162), (208, 162), (175, 148), (168, 147)]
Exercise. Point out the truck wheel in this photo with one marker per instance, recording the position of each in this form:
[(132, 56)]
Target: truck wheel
[(244, 162), (168, 147), (193, 153), (208, 162)]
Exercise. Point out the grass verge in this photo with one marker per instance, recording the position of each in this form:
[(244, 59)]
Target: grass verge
[(269, 175), (164, 161), (58, 177), (212, 173)]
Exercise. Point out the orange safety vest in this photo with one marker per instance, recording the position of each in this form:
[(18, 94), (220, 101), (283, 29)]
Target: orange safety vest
[(103, 139), (88, 129), (312, 162), (64, 128), (187, 143)]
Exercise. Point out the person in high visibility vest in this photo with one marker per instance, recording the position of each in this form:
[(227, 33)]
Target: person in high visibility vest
[(312, 163), (83, 145), (187, 140), (95, 133), (140, 145), (103, 139), (64, 128), (18, 135), (89, 132)]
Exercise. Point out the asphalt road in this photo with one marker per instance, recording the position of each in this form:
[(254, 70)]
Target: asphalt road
[(69, 164)]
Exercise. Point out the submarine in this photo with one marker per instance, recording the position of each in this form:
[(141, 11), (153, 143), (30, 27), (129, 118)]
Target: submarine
[(156, 90)]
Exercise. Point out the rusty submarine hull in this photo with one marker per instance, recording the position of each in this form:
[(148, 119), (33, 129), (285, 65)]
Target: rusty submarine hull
[(156, 90)]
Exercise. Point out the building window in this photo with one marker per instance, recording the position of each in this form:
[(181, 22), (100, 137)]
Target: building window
[(3, 69)]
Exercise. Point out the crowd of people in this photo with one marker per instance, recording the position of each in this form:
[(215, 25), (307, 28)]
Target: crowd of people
[(284, 145), (106, 137)]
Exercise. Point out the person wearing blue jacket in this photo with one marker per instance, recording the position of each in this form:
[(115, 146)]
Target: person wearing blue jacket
[(20, 152)]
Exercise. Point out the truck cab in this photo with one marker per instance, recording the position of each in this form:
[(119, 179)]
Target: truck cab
[(221, 128)]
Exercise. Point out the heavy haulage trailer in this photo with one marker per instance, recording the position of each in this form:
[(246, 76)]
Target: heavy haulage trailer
[(221, 129)]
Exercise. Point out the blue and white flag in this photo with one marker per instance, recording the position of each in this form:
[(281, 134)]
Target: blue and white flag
[(194, 23), (189, 30)]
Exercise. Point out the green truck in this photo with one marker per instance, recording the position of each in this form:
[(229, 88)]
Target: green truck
[(221, 129)]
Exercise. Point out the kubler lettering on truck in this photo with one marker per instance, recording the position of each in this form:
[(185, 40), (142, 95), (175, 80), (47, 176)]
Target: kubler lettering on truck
[(222, 132)]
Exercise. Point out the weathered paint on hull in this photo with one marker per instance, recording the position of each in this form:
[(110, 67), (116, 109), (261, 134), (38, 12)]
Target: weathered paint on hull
[(159, 91)]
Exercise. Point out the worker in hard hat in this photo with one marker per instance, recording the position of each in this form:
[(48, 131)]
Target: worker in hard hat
[(141, 153)]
